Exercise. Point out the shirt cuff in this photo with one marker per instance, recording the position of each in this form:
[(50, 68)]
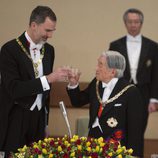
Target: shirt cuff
[(72, 87), (45, 83), (153, 100)]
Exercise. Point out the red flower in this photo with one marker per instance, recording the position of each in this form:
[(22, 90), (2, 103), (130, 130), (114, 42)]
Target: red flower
[(118, 134), (51, 142), (78, 142), (65, 156)]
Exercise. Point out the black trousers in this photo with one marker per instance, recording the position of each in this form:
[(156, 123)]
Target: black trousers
[(24, 127)]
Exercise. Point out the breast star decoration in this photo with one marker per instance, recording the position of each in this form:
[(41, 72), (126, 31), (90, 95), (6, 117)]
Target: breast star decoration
[(112, 122)]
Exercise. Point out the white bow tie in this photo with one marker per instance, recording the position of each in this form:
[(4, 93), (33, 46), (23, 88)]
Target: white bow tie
[(135, 40), (35, 46), (104, 85)]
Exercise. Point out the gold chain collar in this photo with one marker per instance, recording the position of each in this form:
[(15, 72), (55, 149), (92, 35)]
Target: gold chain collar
[(35, 64), (113, 98)]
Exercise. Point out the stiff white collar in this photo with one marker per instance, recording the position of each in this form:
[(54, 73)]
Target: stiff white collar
[(110, 84), (33, 46), (137, 38)]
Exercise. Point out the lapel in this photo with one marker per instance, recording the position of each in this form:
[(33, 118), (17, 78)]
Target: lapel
[(123, 51), (26, 60), (143, 54), (95, 104), (45, 61), (101, 90), (118, 87)]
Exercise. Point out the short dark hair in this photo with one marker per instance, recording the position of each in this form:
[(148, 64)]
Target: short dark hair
[(133, 10), (40, 13)]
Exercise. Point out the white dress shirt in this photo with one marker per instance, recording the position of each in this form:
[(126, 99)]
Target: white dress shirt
[(108, 88), (35, 55), (133, 48)]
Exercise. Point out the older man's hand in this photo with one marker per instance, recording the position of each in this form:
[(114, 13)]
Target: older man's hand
[(152, 107)]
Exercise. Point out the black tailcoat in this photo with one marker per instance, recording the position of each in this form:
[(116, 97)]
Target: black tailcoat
[(147, 76), (127, 110), (19, 87)]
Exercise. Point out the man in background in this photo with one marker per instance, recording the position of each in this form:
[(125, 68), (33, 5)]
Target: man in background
[(141, 55), (115, 106), (26, 65)]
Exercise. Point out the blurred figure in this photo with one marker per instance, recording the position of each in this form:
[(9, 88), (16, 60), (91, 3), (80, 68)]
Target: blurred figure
[(114, 112), (141, 55), (26, 65)]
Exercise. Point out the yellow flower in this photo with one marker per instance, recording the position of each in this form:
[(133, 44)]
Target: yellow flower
[(44, 144), (100, 140), (88, 144), (79, 147), (66, 142), (50, 155), (59, 148), (46, 140), (75, 137), (89, 149), (40, 141), (23, 149), (44, 151), (72, 140), (119, 146), (72, 154), (130, 151), (97, 148), (19, 155), (118, 151), (124, 148), (40, 156), (35, 146), (95, 140), (102, 144), (83, 138), (110, 154), (101, 150), (49, 139), (119, 156), (63, 139)]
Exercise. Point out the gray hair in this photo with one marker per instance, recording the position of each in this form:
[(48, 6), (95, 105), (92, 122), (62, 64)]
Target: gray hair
[(136, 11), (115, 60), (40, 13)]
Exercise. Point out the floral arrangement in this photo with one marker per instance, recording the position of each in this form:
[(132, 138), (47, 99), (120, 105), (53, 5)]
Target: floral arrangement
[(75, 147)]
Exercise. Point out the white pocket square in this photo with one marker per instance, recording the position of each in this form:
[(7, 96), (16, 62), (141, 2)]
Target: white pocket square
[(118, 105)]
